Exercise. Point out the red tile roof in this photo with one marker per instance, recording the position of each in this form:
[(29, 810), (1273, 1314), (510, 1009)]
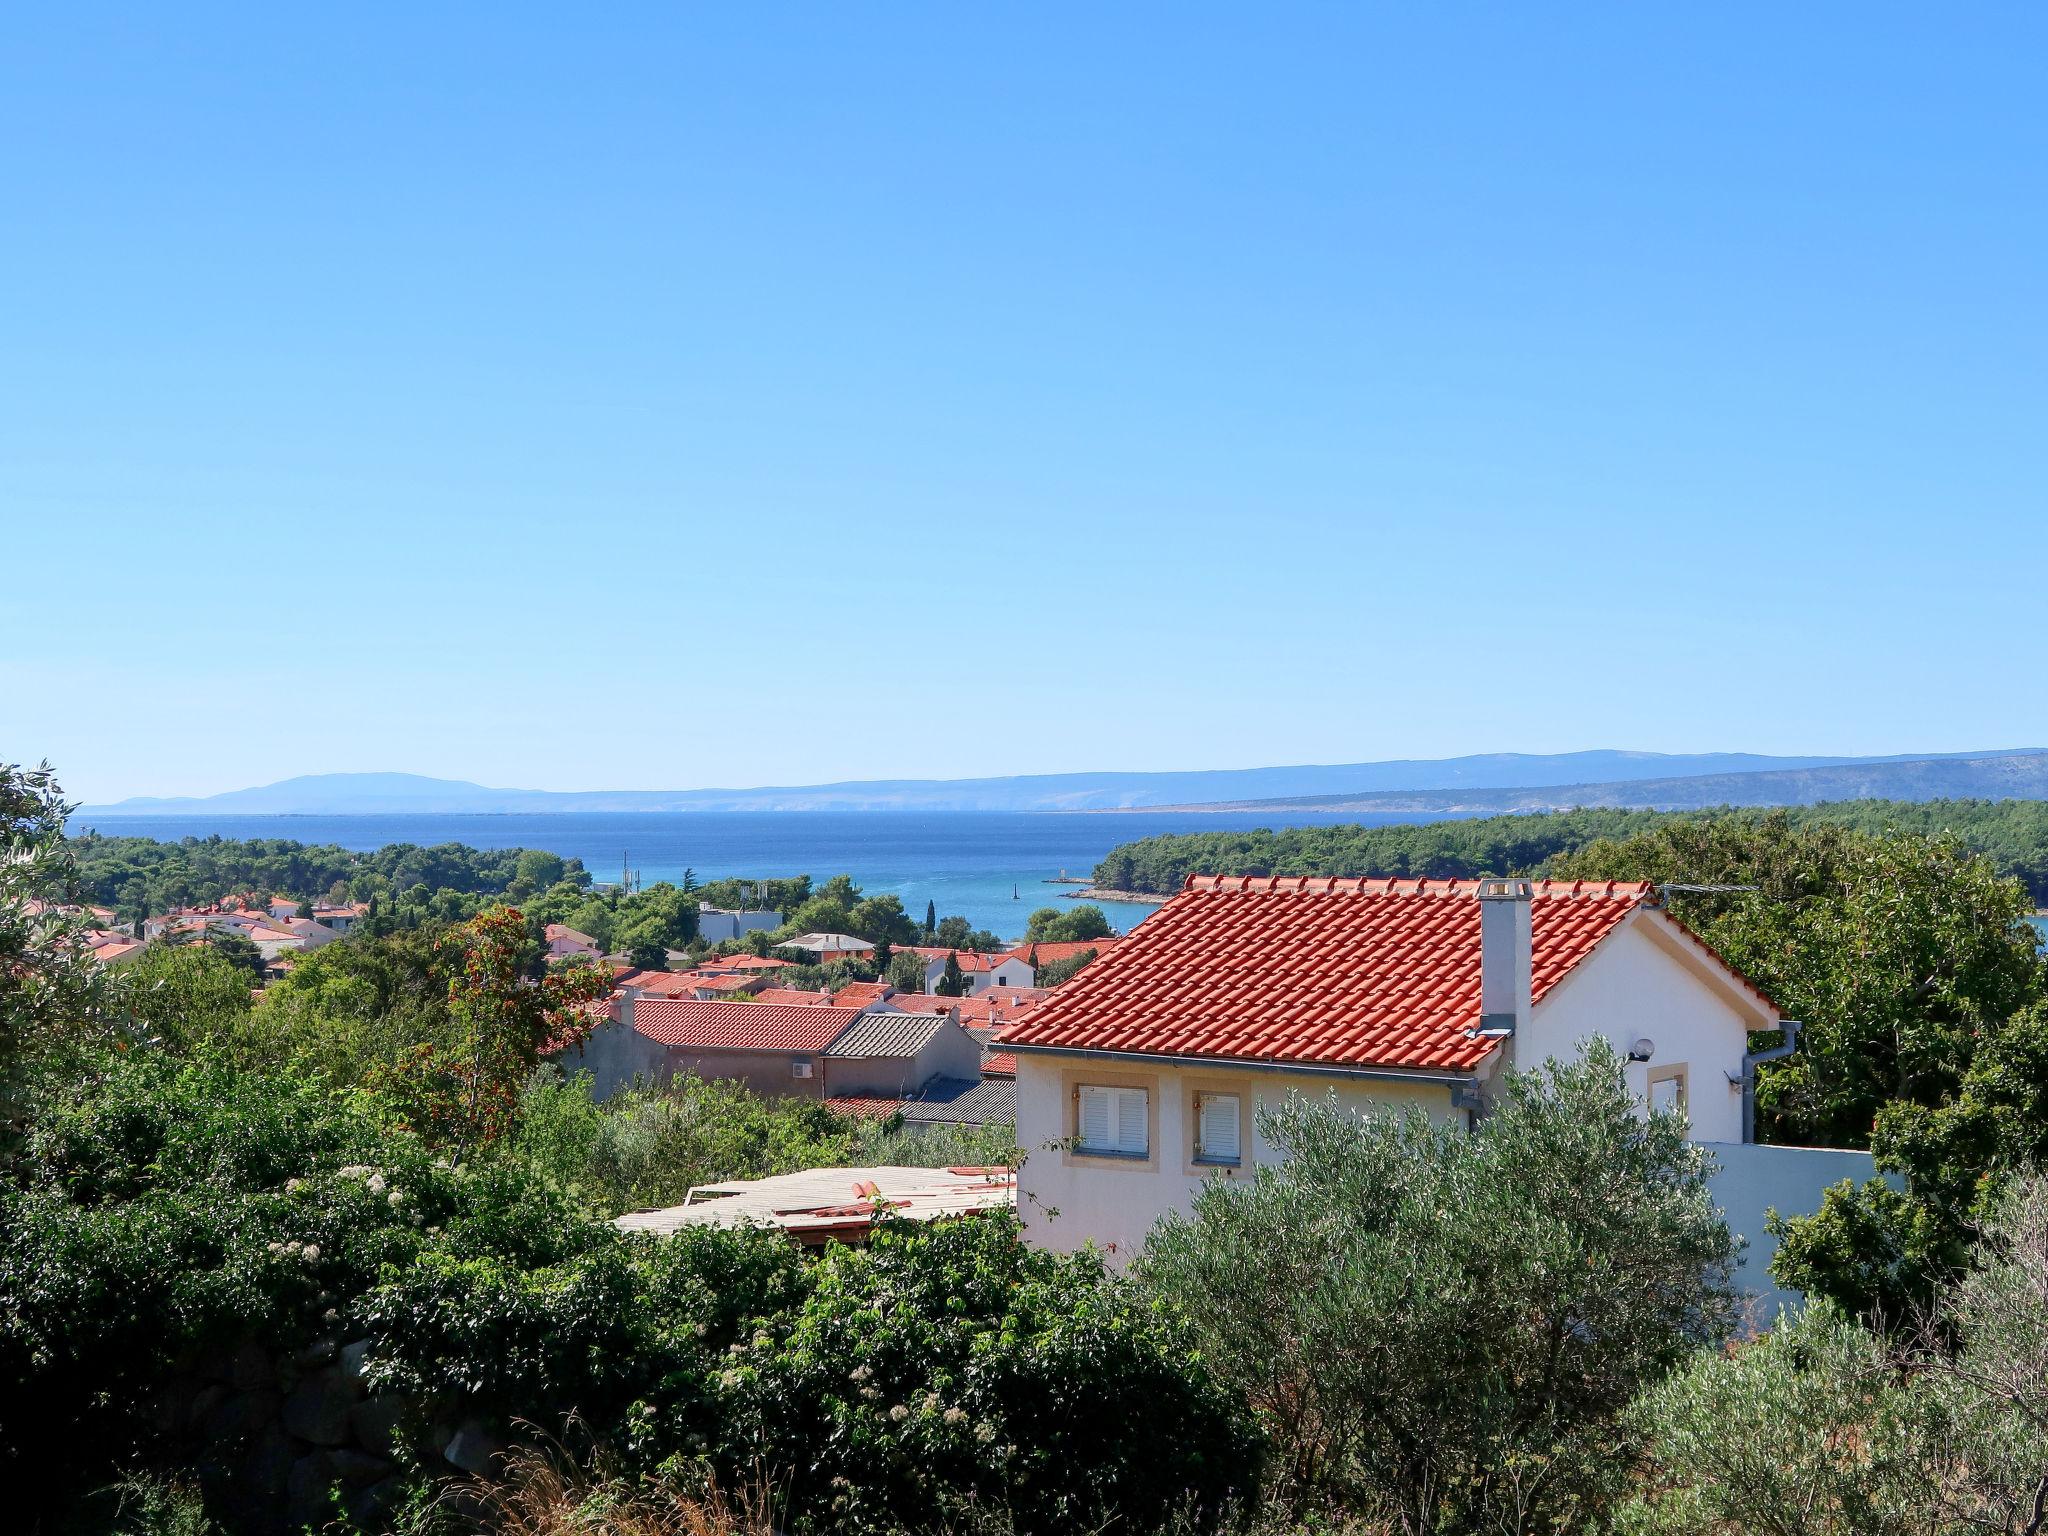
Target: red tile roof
[(997, 1004), (860, 994), (866, 1108), (1315, 970), (972, 961), (744, 963), (1062, 949), (819, 998), (999, 1064), (739, 1026)]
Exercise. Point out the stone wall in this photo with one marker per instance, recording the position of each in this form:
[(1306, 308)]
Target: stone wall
[(273, 1436)]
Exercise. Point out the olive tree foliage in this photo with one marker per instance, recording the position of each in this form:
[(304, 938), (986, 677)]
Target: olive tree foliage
[(1442, 1329), (1828, 1429), (52, 992)]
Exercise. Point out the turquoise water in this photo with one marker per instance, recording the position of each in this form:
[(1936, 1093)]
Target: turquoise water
[(966, 863)]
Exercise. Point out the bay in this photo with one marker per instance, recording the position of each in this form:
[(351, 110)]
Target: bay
[(968, 863)]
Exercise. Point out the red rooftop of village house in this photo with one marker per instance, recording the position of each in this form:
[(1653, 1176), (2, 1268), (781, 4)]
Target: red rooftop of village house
[(999, 1064), (743, 963), (1357, 972), (860, 994), (992, 1006), (819, 998), (1062, 949), (739, 1026), (972, 961)]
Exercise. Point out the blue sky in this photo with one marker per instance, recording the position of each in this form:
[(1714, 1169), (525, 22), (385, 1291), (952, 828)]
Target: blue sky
[(556, 400)]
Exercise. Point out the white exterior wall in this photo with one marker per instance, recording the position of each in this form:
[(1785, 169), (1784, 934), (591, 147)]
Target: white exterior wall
[(1066, 1200), (715, 925), (1011, 973), (1635, 986)]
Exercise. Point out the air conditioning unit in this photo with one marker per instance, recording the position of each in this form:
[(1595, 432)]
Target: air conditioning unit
[(799, 1069)]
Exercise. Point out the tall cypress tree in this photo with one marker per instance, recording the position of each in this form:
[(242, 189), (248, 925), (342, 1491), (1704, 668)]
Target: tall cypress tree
[(931, 918)]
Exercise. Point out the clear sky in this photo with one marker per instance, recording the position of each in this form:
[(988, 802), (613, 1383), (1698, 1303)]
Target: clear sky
[(668, 396)]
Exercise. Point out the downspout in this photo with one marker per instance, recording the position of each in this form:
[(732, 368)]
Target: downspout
[(1751, 1060)]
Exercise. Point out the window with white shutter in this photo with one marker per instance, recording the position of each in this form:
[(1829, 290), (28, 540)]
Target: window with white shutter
[(1217, 1138), (1111, 1121)]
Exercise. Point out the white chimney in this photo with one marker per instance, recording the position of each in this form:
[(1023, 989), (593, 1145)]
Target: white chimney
[(1504, 964)]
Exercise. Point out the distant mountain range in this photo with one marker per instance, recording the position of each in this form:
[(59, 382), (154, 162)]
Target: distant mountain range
[(2021, 775), (1490, 781)]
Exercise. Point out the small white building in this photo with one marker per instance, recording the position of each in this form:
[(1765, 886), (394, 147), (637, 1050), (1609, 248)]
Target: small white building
[(1142, 1077), (981, 971), (827, 947), (717, 925), (564, 941)]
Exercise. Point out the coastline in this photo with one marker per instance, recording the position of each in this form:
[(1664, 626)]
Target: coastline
[(1105, 893)]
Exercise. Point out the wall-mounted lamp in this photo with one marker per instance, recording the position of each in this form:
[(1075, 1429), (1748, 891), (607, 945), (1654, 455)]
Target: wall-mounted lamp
[(1642, 1050)]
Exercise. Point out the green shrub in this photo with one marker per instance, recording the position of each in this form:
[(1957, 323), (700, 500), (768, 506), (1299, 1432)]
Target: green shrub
[(952, 1362), (1442, 1328)]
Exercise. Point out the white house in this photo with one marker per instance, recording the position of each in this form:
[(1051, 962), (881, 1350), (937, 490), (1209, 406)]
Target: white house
[(982, 971), (715, 925), (1142, 1076), (564, 942)]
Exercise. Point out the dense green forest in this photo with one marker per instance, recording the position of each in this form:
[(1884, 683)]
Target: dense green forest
[(2013, 834), (137, 876)]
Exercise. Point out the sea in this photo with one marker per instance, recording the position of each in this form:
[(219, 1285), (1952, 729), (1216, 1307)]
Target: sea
[(992, 869)]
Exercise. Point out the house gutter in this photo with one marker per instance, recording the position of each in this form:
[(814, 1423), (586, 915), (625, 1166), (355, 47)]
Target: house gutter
[(1456, 1082), (1751, 1060)]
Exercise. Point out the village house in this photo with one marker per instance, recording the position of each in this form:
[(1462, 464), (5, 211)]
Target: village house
[(341, 917), (1145, 1073), (803, 1050), (982, 971), (717, 925), (824, 948), (893, 1055), (564, 942), (1038, 956)]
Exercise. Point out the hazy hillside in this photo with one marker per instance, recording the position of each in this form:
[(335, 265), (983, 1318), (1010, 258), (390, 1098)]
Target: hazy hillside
[(1426, 783), (2007, 775)]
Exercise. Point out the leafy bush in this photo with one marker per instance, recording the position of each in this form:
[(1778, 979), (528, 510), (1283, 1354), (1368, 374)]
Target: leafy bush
[(1826, 1429), (953, 1361), (161, 1211), (1441, 1328)]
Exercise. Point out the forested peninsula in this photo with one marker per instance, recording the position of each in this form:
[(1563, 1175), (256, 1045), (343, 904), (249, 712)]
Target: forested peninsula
[(2013, 834)]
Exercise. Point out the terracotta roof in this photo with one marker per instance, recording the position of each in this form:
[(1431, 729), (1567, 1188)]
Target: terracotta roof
[(863, 1108), (1063, 950), (661, 983), (972, 961), (819, 998), (744, 963), (889, 1034), (552, 932), (997, 1004), (860, 994), (999, 1064), (739, 1026), (1315, 970)]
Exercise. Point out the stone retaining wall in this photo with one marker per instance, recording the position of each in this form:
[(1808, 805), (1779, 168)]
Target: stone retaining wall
[(274, 1435)]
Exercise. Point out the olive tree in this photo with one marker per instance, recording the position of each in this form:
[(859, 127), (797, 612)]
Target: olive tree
[(1441, 1329)]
